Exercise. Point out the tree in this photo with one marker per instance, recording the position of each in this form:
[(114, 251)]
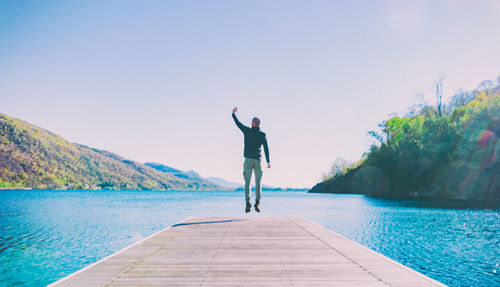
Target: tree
[(439, 95), (485, 85), (338, 166), (460, 99)]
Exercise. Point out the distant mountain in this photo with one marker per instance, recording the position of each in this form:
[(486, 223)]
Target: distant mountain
[(193, 175), (224, 183), (240, 186), (31, 157), (237, 185), (188, 175), (163, 168)]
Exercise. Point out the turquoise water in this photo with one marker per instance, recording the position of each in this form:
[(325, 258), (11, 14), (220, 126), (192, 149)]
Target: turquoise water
[(46, 235)]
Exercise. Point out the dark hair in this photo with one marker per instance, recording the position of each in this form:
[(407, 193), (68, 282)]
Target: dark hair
[(256, 121)]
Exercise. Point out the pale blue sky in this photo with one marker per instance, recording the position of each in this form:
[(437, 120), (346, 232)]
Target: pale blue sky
[(156, 80)]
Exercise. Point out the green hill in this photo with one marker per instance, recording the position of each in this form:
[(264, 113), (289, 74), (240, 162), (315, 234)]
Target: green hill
[(31, 157), (451, 152), (189, 175)]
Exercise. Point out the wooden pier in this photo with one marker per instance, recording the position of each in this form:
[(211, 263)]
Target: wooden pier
[(253, 251)]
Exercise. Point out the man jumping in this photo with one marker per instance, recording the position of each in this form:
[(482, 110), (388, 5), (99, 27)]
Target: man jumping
[(254, 138)]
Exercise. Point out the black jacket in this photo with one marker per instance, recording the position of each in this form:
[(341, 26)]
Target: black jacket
[(254, 138)]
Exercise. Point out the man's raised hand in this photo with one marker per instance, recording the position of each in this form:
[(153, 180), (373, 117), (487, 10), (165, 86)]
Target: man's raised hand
[(235, 110), (268, 165)]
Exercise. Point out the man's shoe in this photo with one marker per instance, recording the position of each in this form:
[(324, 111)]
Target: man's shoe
[(248, 208), (257, 207)]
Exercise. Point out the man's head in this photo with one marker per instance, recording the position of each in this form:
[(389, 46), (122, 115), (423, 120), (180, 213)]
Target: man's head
[(255, 122)]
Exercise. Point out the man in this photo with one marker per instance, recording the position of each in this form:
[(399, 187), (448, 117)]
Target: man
[(254, 139)]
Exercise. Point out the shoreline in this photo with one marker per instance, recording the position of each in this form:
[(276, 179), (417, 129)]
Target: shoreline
[(204, 190), (463, 203)]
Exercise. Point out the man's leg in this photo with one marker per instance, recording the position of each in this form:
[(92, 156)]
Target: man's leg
[(247, 175), (258, 177)]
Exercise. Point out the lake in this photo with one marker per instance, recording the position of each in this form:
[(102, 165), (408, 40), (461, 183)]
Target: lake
[(46, 235)]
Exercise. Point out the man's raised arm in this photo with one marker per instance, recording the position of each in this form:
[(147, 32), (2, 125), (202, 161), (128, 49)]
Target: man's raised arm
[(242, 127)]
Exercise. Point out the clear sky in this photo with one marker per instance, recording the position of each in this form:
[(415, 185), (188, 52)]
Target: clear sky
[(157, 80)]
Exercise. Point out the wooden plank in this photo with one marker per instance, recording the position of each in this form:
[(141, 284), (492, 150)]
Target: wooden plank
[(256, 251)]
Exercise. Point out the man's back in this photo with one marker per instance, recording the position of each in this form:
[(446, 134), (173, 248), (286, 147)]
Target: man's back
[(254, 139)]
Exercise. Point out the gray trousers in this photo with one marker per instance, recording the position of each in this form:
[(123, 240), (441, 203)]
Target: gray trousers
[(250, 165)]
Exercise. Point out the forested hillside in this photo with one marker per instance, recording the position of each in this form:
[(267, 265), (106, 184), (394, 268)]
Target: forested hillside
[(189, 175), (31, 157), (447, 151)]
